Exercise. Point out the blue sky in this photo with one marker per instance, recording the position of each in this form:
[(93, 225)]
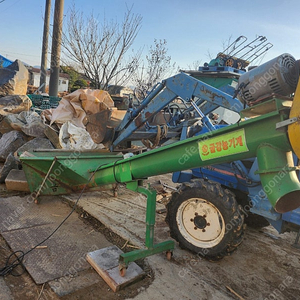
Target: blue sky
[(192, 28)]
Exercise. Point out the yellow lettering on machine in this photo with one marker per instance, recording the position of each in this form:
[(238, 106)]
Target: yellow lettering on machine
[(223, 145)]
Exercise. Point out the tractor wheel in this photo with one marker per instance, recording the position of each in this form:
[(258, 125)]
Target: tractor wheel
[(252, 220), (205, 218)]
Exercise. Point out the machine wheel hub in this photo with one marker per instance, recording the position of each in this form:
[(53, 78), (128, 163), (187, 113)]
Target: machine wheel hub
[(200, 222)]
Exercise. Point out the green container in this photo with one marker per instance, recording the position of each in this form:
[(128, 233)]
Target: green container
[(65, 171), (44, 102)]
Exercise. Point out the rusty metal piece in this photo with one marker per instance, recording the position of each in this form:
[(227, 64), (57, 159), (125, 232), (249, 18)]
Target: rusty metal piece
[(122, 272), (169, 255)]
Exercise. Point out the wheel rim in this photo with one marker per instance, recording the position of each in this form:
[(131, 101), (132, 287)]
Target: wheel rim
[(200, 223)]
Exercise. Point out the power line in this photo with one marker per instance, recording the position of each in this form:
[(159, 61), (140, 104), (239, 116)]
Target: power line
[(9, 53), (7, 8)]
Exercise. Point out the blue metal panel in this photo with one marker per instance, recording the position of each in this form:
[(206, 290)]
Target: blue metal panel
[(278, 225), (182, 176), (228, 89), (4, 62), (220, 69), (186, 87), (181, 85), (263, 208), (222, 174), (292, 216)]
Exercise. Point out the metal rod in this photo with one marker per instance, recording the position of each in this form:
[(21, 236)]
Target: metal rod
[(50, 169), (205, 119), (234, 46)]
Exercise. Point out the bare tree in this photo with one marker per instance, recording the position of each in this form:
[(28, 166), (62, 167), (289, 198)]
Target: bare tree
[(226, 43), (99, 49), (194, 65), (210, 55), (157, 67)]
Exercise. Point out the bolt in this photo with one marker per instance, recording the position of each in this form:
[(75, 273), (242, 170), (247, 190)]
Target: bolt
[(204, 216), (196, 214), (208, 224), (203, 230), (192, 220), (195, 228)]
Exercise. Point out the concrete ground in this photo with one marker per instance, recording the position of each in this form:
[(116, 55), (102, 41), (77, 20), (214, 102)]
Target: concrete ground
[(5, 293), (265, 266)]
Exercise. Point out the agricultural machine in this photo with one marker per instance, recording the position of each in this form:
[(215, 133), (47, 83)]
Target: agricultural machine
[(264, 84), (253, 160)]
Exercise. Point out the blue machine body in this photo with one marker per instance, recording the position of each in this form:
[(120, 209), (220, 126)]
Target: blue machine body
[(241, 176), (205, 90)]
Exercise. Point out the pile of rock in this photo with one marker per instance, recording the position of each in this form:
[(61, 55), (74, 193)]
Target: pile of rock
[(83, 120), (20, 129)]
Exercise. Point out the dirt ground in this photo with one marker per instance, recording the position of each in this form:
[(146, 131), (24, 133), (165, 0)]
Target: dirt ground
[(23, 287)]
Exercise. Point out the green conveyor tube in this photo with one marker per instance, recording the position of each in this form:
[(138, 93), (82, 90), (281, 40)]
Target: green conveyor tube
[(278, 177), (250, 138), (255, 137)]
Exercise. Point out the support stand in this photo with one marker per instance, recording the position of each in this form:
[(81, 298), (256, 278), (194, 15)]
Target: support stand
[(167, 246)]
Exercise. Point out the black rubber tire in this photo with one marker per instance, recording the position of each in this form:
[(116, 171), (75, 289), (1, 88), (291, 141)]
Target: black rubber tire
[(252, 220), (227, 206), (256, 221)]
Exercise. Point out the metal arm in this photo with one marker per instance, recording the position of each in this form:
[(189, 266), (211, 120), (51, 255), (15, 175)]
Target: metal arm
[(180, 85)]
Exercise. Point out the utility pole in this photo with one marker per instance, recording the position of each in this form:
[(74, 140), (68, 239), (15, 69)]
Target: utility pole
[(45, 47), (56, 47)]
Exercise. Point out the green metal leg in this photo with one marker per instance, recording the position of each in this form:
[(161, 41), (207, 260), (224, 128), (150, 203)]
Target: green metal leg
[(150, 215), (128, 257)]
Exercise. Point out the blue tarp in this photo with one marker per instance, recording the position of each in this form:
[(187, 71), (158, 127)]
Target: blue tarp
[(4, 62)]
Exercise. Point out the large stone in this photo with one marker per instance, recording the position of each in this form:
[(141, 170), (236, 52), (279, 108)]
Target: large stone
[(33, 124), (16, 181), (10, 164), (52, 135), (37, 143), (10, 122), (27, 121), (13, 79), (10, 142), (14, 104), (35, 128)]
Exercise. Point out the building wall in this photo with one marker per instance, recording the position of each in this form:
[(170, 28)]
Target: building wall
[(63, 83)]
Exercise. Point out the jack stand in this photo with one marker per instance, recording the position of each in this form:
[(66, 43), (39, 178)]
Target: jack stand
[(296, 244), (167, 246)]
